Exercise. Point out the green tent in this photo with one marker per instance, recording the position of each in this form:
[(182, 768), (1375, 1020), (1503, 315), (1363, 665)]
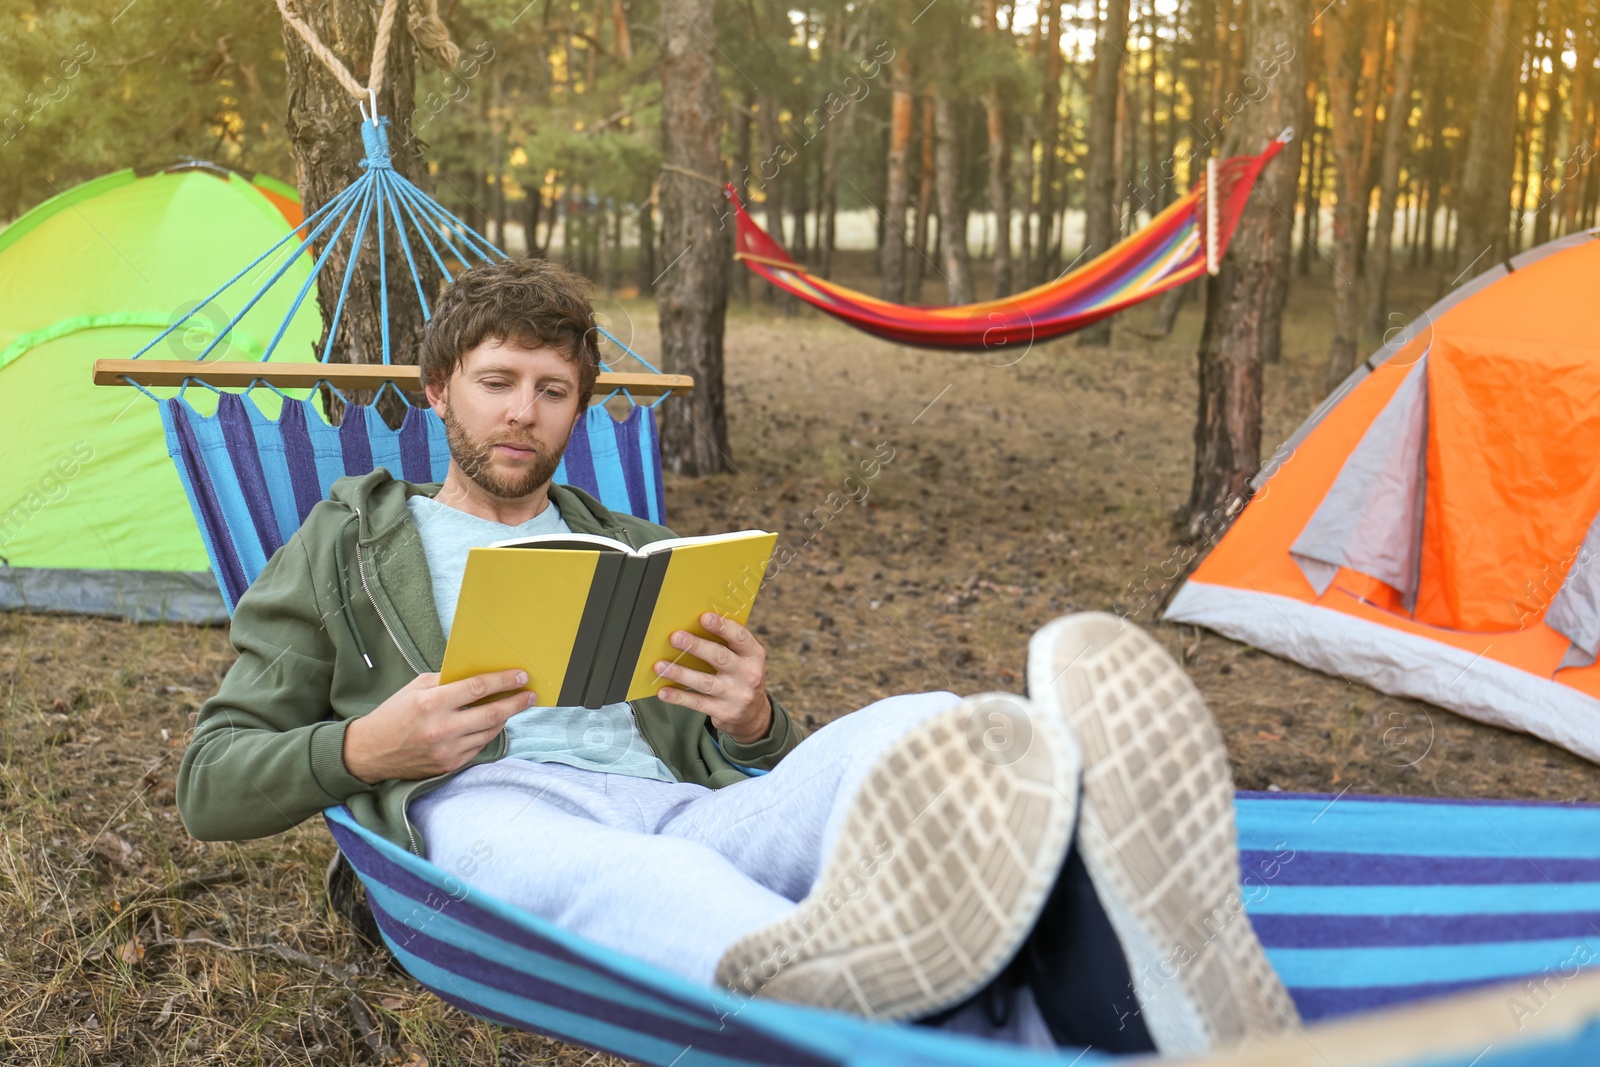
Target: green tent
[(93, 518)]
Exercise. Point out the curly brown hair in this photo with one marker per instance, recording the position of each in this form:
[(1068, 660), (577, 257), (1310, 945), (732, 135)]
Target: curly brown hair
[(527, 302)]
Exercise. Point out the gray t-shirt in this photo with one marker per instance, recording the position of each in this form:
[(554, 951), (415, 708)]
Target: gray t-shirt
[(596, 739)]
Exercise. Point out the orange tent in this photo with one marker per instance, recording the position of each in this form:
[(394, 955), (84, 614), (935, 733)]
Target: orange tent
[(1433, 529)]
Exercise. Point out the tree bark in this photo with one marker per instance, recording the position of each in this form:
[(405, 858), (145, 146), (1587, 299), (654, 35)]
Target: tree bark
[(742, 125), (892, 254), (999, 172), (1100, 183), (1025, 231), (1350, 213), (1244, 302), (692, 295), (952, 218), (919, 241), (1571, 166), (1049, 131), (324, 130), (647, 250), (1396, 124), (1481, 211), (828, 194), (1369, 88), (621, 39), (769, 172), (1552, 130), (1316, 149)]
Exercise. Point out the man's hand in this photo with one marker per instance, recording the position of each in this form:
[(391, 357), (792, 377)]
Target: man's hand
[(425, 729), (735, 697)]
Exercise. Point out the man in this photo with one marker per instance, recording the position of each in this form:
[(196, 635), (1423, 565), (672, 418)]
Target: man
[(1059, 870)]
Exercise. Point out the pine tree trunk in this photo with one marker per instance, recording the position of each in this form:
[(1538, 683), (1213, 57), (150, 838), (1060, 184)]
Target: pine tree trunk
[(1396, 125), (1369, 87), (1025, 186), (828, 195), (1552, 133), (1311, 219), (324, 130), (1481, 212), (892, 254), (999, 171), (771, 153), (1100, 183), (952, 220), (692, 295), (1572, 167), (1049, 132), (1244, 303), (1167, 309), (742, 163), (1350, 213), (919, 241), (647, 251), (1309, 196), (532, 207), (498, 147), (1522, 150)]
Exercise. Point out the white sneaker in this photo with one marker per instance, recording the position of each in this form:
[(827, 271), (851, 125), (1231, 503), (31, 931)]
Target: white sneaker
[(942, 866), (1156, 831)]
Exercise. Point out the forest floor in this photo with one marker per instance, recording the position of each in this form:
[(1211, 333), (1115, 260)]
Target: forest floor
[(1003, 496)]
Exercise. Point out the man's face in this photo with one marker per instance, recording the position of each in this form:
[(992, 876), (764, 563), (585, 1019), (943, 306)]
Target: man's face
[(508, 412)]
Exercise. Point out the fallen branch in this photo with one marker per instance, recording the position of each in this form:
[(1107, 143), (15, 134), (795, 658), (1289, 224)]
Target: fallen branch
[(362, 1016)]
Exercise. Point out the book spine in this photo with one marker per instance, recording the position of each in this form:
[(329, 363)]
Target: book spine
[(619, 609), (644, 606), (591, 626)]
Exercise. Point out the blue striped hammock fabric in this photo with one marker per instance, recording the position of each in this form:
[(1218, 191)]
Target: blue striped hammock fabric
[(1361, 902), (251, 480)]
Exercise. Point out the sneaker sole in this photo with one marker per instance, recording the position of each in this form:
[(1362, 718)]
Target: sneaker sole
[(941, 868), (1156, 831)]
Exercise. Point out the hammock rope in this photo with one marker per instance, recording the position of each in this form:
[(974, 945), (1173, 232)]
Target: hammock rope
[(1183, 242)]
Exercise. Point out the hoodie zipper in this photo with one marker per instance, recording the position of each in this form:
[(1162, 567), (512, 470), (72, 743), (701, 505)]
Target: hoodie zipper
[(361, 570)]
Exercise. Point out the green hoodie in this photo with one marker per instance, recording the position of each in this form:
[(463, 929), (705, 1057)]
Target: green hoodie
[(342, 617)]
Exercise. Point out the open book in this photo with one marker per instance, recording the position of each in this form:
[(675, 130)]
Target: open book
[(588, 617)]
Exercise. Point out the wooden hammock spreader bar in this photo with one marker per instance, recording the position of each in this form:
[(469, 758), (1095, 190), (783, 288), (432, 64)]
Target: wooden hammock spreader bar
[(238, 374), (768, 261)]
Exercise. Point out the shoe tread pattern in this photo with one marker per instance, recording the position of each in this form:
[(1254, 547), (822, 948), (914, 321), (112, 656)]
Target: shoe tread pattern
[(1157, 824), (962, 854)]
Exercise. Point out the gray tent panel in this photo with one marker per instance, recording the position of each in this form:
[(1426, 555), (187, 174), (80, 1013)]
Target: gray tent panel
[(138, 596), (1371, 518), (1575, 611)]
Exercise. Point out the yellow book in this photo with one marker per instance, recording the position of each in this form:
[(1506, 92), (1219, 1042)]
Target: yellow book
[(588, 616)]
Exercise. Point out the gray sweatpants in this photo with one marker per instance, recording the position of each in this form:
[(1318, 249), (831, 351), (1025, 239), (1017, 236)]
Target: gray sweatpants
[(670, 872)]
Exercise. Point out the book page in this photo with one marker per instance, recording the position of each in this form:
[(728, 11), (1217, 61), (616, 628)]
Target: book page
[(565, 540), (718, 574)]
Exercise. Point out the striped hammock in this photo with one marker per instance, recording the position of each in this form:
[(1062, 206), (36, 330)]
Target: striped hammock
[(252, 480), (1183, 242), (1361, 902)]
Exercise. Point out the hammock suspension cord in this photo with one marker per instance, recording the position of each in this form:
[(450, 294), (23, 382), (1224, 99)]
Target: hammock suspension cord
[(427, 30)]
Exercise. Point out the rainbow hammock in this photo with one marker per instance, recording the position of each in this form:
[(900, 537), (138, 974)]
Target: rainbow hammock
[(1181, 243)]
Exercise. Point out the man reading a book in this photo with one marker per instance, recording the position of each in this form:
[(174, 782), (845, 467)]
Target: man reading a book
[(1033, 867)]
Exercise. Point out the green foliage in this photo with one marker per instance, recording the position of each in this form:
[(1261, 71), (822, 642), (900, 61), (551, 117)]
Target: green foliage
[(99, 85)]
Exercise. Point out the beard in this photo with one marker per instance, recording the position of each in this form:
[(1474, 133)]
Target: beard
[(476, 460)]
